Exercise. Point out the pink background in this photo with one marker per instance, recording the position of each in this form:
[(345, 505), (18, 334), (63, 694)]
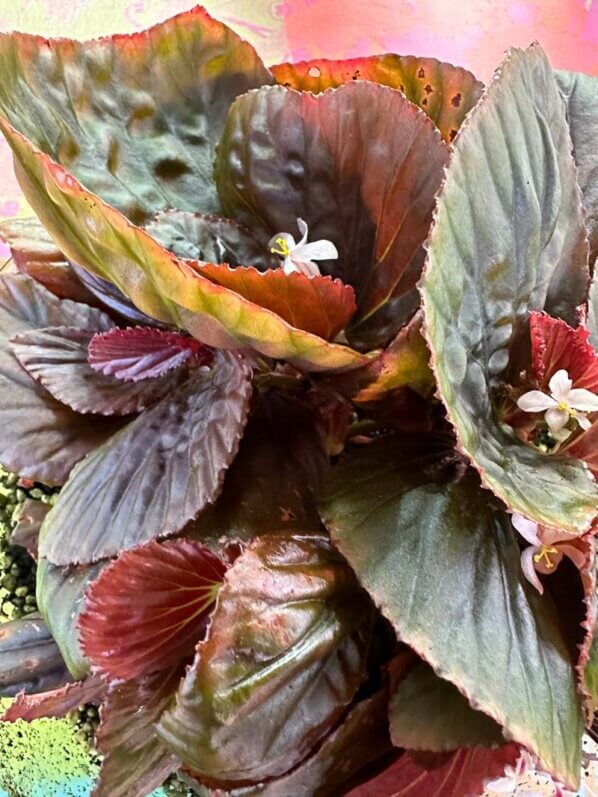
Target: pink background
[(472, 33)]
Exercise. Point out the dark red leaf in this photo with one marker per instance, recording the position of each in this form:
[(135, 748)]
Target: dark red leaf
[(29, 658), (135, 760), (461, 774), (26, 532), (57, 357), (148, 609), (56, 703), (139, 353), (556, 345)]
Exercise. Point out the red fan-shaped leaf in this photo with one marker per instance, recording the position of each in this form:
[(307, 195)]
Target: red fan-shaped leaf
[(56, 703), (147, 609), (556, 345), (320, 305), (143, 352)]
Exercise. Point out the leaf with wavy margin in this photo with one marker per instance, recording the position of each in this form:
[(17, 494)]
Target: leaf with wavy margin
[(29, 658), (286, 650), (361, 164), (157, 473), (99, 238), (442, 563), (147, 610), (446, 93), (136, 118), (41, 438), (56, 703), (485, 274)]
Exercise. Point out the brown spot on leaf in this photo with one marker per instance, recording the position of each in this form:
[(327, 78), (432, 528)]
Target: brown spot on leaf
[(428, 89), (421, 72), (456, 100), (170, 169), (452, 134), (425, 101)]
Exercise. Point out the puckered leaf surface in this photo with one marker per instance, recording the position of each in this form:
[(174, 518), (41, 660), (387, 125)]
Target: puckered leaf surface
[(147, 610), (56, 703), (157, 473), (461, 774), (41, 438), (135, 118), (135, 760), (442, 563), (29, 658), (60, 592), (276, 477), (360, 164), (285, 653), (428, 713), (57, 357), (443, 91), (508, 238), (98, 237), (138, 353)]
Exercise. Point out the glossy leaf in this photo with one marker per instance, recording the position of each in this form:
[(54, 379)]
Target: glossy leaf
[(57, 358), (211, 239), (556, 346), (60, 592), (581, 96), (276, 477), (428, 713), (442, 563), (461, 774), (286, 650), (29, 523), (443, 91), (35, 254), (148, 609), (139, 353), (135, 118), (484, 274), (157, 473), (99, 238), (29, 658), (135, 760), (27, 411), (56, 703), (360, 164)]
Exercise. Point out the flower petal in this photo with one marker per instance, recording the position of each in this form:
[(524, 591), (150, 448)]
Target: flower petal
[(577, 557), (535, 401), (556, 419), (316, 250), (583, 421), (274, 242), (306, 267), (546, 569), (303, 229), (582, 399), (527, 528), (560, 385), (529, 570)]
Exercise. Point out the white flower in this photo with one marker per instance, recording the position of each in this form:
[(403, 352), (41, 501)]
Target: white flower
[(300, 256), (563, 403)]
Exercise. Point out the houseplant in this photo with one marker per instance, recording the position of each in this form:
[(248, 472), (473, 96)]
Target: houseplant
[(309, 352)]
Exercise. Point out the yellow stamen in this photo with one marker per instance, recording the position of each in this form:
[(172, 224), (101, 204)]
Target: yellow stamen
[(567, 408), (284, 250), (545, 553)]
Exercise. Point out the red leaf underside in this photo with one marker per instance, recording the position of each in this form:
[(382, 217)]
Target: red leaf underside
[(56, 703), (556, 346)]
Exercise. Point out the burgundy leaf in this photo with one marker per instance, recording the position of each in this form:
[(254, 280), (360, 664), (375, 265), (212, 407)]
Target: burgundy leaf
[(26, 532), (157, 473), (556, 346), (143, 352), (135, 761), (56, 703), (29, 658), (148, 609), (460, 774), (57, 357)]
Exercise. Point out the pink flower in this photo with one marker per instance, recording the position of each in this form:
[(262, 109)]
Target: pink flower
[(300, 256)]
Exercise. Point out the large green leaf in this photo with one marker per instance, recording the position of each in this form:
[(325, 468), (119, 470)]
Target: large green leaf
[(157, 473), (135, 118), (41, 439), (443, 91), (428, 713), (98, 237), (285, 653), (360, 164), (442, 563), (508, 238)]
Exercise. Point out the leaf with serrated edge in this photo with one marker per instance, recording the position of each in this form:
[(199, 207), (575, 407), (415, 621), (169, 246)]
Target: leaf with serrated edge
[(443, 565), (155, 475), (126, 114), (98, 237), (444, 92), (428, 713), (360, 164), (484, 274), (286, 650), (147, 609), (41, 438), (56, 703)]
